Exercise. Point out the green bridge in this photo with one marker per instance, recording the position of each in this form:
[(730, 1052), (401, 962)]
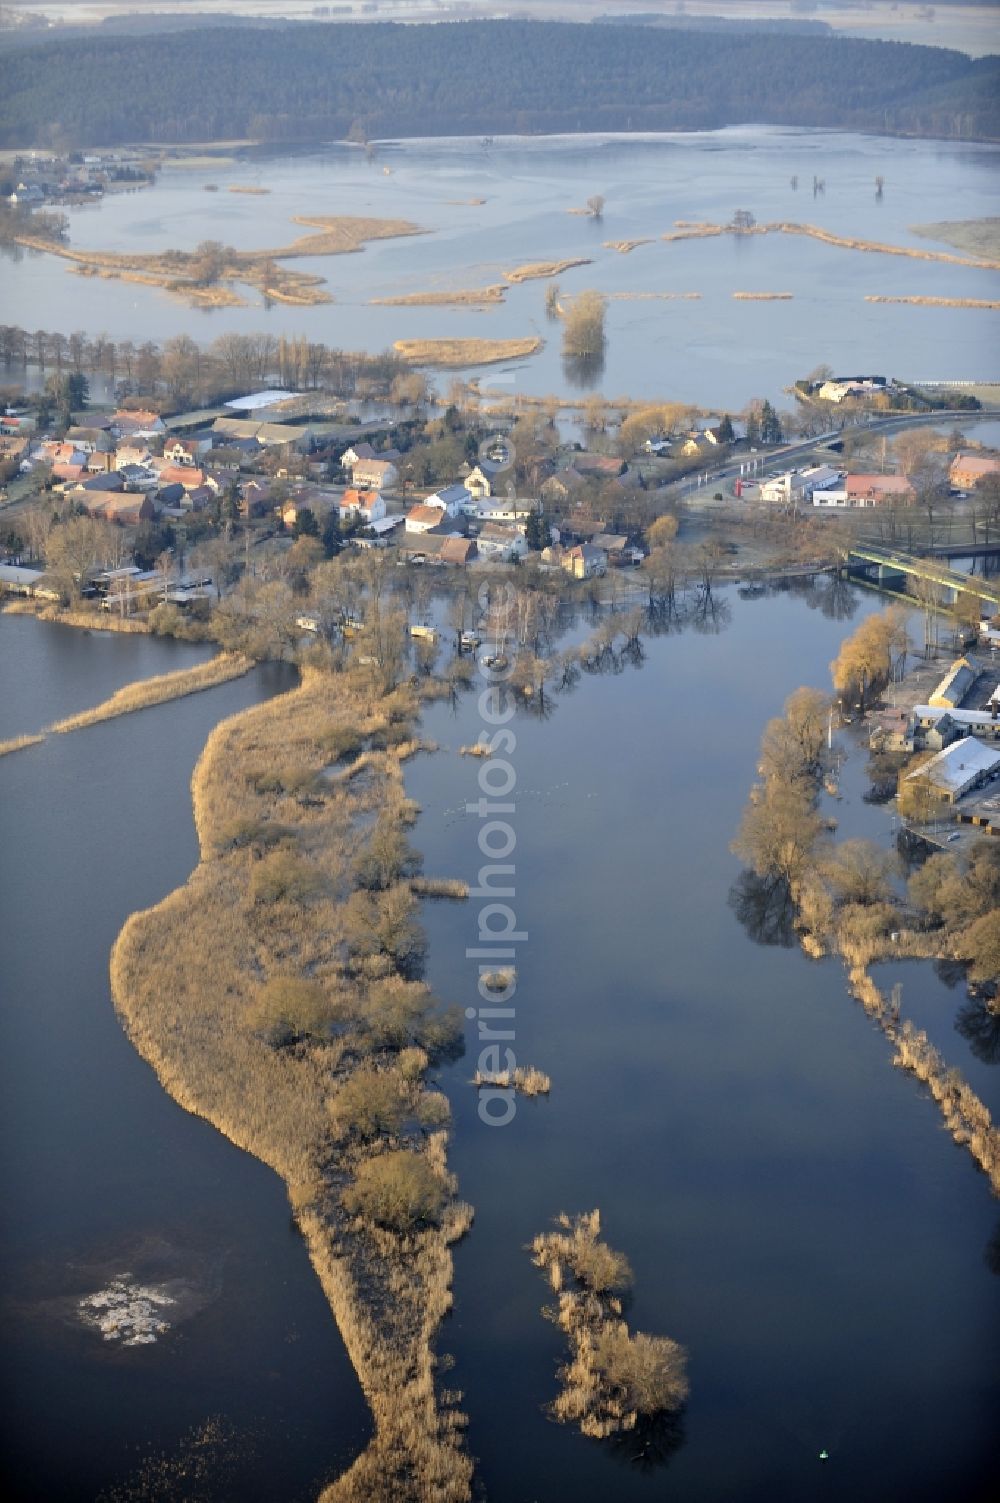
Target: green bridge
[(887, 563)]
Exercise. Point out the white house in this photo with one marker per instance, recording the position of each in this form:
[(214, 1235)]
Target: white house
[(964, 765), (782, 488), (186, 451), (423, 518), (452, 501), (496, 541), (367, 505), (509, 510), (482, 480), (355, 454), (834, 495)]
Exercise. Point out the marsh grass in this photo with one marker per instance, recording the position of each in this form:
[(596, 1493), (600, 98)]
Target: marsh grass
[(18, 743), (262, 988), (158, 690), (613, 1377), (454, 353)]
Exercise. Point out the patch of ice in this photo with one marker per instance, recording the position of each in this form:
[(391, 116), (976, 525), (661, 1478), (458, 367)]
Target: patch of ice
[(127, 1312)]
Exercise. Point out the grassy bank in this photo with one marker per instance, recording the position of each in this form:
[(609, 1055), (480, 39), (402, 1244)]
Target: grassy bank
[(85, 620), (533, 271), (18, 743), (469, 297), (158, 690), (274, 995), (935, 302), (181, 272), (694, 230), (455, 353), (978, 237)]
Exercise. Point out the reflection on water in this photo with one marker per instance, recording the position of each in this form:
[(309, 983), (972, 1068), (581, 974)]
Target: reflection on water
[(106, 1182), (786, 1197)]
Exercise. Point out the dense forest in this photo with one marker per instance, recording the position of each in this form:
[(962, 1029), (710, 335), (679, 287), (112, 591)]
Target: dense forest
[(307, 82)]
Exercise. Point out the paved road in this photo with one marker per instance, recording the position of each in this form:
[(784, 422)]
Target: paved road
[(772, 460)]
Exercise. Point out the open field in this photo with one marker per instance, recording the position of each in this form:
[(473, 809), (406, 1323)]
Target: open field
[(978, 237), (455, 353)]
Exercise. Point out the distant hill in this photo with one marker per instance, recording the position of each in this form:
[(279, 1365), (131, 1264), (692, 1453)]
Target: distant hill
[(302, 82)]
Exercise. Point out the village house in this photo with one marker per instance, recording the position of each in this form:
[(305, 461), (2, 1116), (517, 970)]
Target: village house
[(599, 466), (186, 451), (256, 499), (481, 481), (585, 561), (374, 475), (423, 518), (959, 769), (452, 501), (984, 723), (967, 469), (566, 485), (498, 541), (137, 424), (367, 505), (181, 474), (90, 440), (956, 686), (354, 455), (879, 490), (617, 549), (269, 435), (131, 453), (128, 508), (16, 424), (438, 548)]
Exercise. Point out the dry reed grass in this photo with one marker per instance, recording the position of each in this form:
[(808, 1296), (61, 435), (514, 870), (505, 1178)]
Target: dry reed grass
[(763, 297), (692, 230), (526, 1079), (187, 977), (467, 297), (533, 271), (935, 302), (18, 743), (439, 887), (612, 1378), (160, 689), (454, 353), (625, 247)]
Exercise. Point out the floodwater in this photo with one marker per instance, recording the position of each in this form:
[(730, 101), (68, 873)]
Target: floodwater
[(711, 351), (793, 1211), (106, 1183)]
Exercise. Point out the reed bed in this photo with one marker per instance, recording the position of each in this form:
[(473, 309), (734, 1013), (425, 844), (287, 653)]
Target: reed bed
[(533, 271), (158, 690), (692, 230), (763, 297), (271, 912), (451, 353), (95, 620), (935, 302), (525, 1078), (439, 887), (613, 1378), (625, 247), (475, 297), (18, 743)]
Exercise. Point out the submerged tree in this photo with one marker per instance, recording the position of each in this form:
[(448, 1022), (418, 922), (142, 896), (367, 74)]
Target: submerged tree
[(583, 329)]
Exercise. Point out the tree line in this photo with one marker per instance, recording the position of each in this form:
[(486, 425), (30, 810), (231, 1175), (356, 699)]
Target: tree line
[(366, 81)]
